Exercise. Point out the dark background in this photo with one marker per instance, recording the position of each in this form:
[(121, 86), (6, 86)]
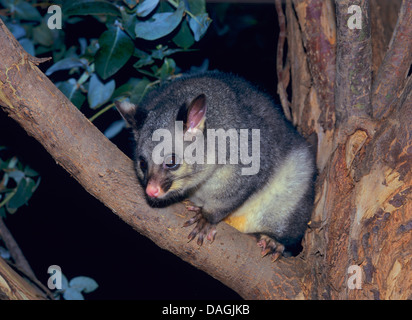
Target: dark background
[(64, 225)]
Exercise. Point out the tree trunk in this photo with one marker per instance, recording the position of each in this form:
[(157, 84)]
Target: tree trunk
[(362, 220)]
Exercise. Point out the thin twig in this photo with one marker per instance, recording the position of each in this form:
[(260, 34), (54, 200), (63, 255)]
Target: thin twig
[(21, 264), (14, 249), (279, 61)]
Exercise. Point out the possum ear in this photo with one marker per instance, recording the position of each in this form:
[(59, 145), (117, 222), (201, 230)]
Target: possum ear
[(131, 113), (196, 113)]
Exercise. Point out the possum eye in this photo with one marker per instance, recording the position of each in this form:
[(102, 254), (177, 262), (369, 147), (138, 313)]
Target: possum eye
[(170, 162), (143, 164)]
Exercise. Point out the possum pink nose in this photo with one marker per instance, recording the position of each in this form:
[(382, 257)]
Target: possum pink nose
[(152, 191)]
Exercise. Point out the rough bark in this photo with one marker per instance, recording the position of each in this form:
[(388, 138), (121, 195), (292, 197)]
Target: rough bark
[(353, 76), (395, 66), (363, 207), (362, 213), (14, 287)]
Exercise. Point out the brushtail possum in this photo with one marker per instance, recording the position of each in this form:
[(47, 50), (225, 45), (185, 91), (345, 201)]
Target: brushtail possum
[(248, 166)]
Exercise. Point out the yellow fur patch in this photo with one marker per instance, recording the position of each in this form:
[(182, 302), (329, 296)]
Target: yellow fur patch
[(236, 222), (176, 185), (180, 183)]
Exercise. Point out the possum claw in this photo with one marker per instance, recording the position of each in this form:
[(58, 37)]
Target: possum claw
[(196, 218), (212, 234), (276, 255), (194, 208), (269, 245), (203, 229)]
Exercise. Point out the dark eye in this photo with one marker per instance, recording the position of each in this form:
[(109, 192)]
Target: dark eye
[(170, 162), (143, 164)]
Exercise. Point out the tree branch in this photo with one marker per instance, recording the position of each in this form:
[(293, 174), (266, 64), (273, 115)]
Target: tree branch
[(384, 15), (354, 63), (312, 53), (15, 250), (319, 35), (395, 65), (14, 287), (279, 61), (300, 77), (29, 97)]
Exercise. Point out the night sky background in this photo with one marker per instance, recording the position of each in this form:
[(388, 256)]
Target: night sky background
[(64, 225)]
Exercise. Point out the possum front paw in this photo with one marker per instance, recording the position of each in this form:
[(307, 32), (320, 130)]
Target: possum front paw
[(203, 227), (270, 245)]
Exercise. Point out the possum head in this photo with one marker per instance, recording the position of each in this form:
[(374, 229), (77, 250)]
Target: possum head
[(161, 169)]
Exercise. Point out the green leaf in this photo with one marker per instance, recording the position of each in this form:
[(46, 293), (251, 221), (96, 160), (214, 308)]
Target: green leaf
[(114, 128), (199, 25), (4, 253), (3, 164), (11, 210), (184, 38), (3, 190), (128, 22), (36, 185), (92, 48), (23, 193), (144, 59), (16, 29), (68, 63), (86, 7), (13, 162), (163, 51), (131, 3), (2, 212), (72, 294), (25, 11), (28, 45), (71, 91), (84, 284), (16, 175), (116, 48), (126, 89), (43, 35), (197, 6), (7, 3), (168, 68), (65, 282), (166, 6), (146, 7), (143, 62), (30, 172), (99, 93), (139, 91), (160, 25)]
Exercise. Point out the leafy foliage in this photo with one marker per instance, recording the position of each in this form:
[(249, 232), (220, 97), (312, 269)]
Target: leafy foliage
[(17, 183), (73, 289), (140, 36)]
